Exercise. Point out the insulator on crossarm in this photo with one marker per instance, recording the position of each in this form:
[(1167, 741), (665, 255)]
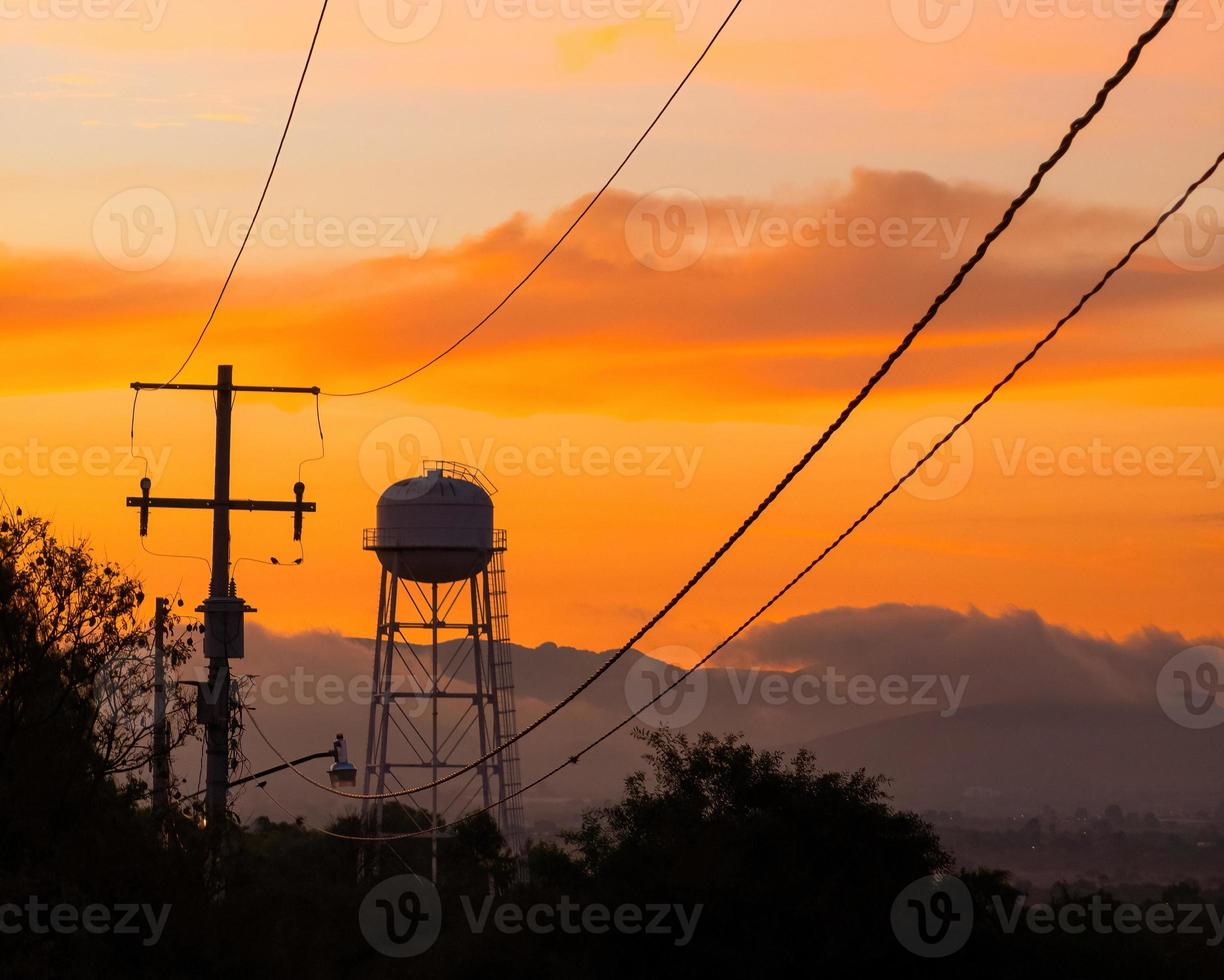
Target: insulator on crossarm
[(145, 486), (299, 492)]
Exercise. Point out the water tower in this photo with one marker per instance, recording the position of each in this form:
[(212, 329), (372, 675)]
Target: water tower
[(443, 686)]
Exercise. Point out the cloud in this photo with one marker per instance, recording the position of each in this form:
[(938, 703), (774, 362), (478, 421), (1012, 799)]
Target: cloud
[(1020, 669), (787, 297), (579, 47), (790, 296), (1013, 658)]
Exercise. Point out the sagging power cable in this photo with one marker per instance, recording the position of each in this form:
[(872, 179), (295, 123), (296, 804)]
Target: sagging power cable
[(837, 542), (1064, 146)]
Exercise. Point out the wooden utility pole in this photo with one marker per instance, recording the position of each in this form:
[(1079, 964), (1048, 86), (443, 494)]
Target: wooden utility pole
[(224, 612), (161, 736)]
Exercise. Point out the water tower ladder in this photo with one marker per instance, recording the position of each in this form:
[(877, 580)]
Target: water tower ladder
[(512, 820)]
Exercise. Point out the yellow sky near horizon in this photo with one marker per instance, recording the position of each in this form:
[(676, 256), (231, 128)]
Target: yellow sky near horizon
[(828, 172)]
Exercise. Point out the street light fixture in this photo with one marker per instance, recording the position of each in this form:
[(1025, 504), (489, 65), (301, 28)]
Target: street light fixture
[(342, 773)]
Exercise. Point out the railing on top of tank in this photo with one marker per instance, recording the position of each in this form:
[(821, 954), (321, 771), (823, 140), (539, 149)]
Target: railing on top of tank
[(373, 538), (459, 471)]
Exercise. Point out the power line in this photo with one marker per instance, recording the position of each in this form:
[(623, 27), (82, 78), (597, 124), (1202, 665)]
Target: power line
[(255, 217), (301, 822), (565, 235), (858, 522), (1064, 146)]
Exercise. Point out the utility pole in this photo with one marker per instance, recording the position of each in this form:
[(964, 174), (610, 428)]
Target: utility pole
[(161, 737), (224, 612)]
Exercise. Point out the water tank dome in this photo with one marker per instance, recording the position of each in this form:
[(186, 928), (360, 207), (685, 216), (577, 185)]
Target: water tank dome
[(437, 527)]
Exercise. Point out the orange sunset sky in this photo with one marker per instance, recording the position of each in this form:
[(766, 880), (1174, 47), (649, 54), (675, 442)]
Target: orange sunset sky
[(828, 171)]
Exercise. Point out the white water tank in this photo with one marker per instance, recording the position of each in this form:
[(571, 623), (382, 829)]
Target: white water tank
[(437, 527)]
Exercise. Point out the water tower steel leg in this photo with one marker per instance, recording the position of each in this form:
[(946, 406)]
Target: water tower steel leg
[(371, 745), (386, 702), (482, 700), (433, 825), (499, 761), (380, 701)]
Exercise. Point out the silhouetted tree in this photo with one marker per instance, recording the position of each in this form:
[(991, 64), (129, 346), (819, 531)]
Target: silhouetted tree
[(778, 854)]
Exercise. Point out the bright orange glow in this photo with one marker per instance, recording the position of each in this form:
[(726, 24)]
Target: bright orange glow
[(633, 403)]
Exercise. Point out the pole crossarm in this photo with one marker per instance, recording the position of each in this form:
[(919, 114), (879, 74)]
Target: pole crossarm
[(203, 503), (264, 389)]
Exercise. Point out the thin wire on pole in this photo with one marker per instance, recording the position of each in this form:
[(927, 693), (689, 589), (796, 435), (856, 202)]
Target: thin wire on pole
[(463, 338), (258, 207)]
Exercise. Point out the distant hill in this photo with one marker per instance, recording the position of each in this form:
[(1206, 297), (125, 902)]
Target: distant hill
[(1006, 758), (1024, 713)]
